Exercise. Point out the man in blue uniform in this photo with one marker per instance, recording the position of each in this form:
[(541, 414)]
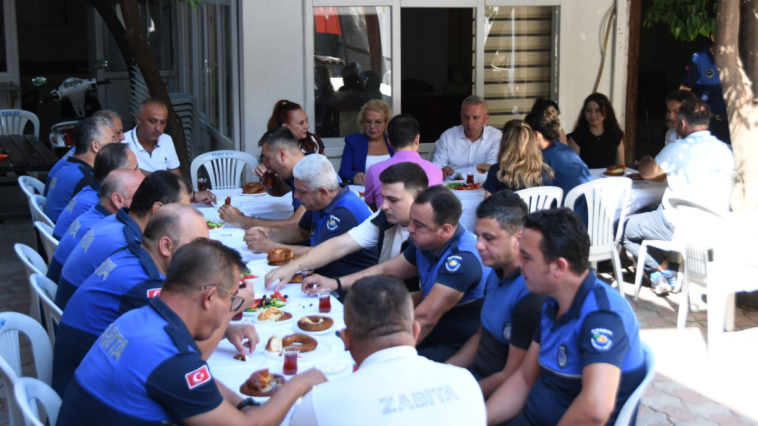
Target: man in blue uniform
[(147, 369), (111, 157), (116, 192), (511, 313), (113, 232), (702, 78), (331, 210), (136, 278), (586, 358), (443, 253), (90, 135)]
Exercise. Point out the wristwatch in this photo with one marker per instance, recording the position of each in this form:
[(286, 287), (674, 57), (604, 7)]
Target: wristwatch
[(247, 402)]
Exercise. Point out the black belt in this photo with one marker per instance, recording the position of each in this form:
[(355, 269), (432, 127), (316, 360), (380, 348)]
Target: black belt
[(719, 117)]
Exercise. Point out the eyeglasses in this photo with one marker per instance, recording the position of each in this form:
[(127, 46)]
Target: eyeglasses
[(376, 123), (237, 301)]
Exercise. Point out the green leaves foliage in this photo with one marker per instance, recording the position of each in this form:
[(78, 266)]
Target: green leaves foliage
[(194, 3), (685, 19)]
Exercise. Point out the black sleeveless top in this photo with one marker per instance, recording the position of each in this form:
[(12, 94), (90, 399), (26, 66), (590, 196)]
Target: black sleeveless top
[(597, 152)]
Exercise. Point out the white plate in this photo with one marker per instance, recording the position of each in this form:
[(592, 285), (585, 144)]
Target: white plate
[(217, 220), (331, 367), (322, 350), (254, 317), (313, 333)]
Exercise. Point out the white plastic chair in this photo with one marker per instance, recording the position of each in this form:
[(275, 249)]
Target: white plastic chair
[(225, 168), (46, 290), (603, 197), (430, 154), (541, 197), (49, 242), (28, 393), (34, 264), (38, 206), (709, 264), (10, 355), (632, 403), (13, 121)]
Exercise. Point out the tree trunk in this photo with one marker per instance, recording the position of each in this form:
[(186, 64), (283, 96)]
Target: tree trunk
[(748, 37), (738, 95), (146, 63), (117, 31)]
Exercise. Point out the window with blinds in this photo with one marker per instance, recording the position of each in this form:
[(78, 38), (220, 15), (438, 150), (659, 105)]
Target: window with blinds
[(520, 59)]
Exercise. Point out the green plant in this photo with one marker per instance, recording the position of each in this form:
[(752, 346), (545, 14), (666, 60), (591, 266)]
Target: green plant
[(685, 18)]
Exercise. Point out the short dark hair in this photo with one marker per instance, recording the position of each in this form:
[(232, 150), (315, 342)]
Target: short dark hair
[(152, 100), (507, 208), (167, 222), (201, 262), (402, 131), (411, 175), (161, 186), (377, 306), (110, 157), (446, 206), (695, 112), (541, 104), (86, 131), (680, 96), (563, 235), (280, 137)]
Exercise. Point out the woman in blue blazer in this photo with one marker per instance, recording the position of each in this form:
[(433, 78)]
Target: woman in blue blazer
[(371, 146)]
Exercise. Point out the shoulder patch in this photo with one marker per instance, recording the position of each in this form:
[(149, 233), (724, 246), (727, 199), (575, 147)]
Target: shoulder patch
[(453, 263), (74, 228), (71, 205), (332, 223), (87, 240), (709, 73), (601, 339), (198, 377), (562, 356), (153, 292), (105, 269)]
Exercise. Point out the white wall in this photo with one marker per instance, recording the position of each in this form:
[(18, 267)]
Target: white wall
[(273, 64)]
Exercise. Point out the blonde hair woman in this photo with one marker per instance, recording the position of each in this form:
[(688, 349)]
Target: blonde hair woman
[(520, 161), (370, 146)]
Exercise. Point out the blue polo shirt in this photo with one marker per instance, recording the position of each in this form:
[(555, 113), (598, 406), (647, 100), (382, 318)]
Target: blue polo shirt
[(702, 77), (599, 327), (107, 236), (106, 295), (456, 265), (145, 369), (510, 316), (76, 231), (56, 168), (570, 172), (83, 201), (70, 179), (345, 212)]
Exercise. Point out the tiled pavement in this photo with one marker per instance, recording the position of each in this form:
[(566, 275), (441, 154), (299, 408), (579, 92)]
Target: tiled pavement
[(690, 388)]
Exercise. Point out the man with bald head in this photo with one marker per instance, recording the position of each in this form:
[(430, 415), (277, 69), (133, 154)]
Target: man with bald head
[(111, 157), (116, 191), (127, 280)]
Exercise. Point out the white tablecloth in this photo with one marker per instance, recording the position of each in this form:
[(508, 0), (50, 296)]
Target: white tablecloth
[(645, 194)]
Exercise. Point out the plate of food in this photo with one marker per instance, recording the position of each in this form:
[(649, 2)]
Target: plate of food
[(314, 325), (214, 224), (253, 188), (276, 300), (273, 316), (258, 384), (310, 348), (617, 170), (247, 277), (280, 257), (464, 187)]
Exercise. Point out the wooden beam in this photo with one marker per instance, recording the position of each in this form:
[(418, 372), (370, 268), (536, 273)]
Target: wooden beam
[(633, 67)]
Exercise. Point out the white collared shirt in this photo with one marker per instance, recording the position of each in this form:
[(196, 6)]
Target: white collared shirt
[(395, 386), (163, 156), (454, 149)]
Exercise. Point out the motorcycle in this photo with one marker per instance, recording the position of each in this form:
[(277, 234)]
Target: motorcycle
[(76, 104)]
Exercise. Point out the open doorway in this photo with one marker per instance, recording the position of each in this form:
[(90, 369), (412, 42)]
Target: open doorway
[(437, 63)]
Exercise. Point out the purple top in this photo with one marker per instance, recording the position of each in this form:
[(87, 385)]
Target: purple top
[(373, 185)]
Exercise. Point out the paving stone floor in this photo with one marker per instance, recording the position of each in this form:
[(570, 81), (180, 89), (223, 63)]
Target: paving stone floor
[(691, 388)]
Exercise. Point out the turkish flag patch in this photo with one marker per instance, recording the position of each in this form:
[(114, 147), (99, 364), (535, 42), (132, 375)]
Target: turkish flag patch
[(155, 292), (198, 377)]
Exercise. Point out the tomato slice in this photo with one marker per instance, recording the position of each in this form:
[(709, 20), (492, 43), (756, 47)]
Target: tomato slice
[(249, 277), (277, 295)]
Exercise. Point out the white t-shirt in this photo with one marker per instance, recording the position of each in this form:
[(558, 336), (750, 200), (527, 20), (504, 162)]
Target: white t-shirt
[(367, 236), (395, 386), (454, 149), (163, 156), (689, 165), (671, 136), (373, 159)]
